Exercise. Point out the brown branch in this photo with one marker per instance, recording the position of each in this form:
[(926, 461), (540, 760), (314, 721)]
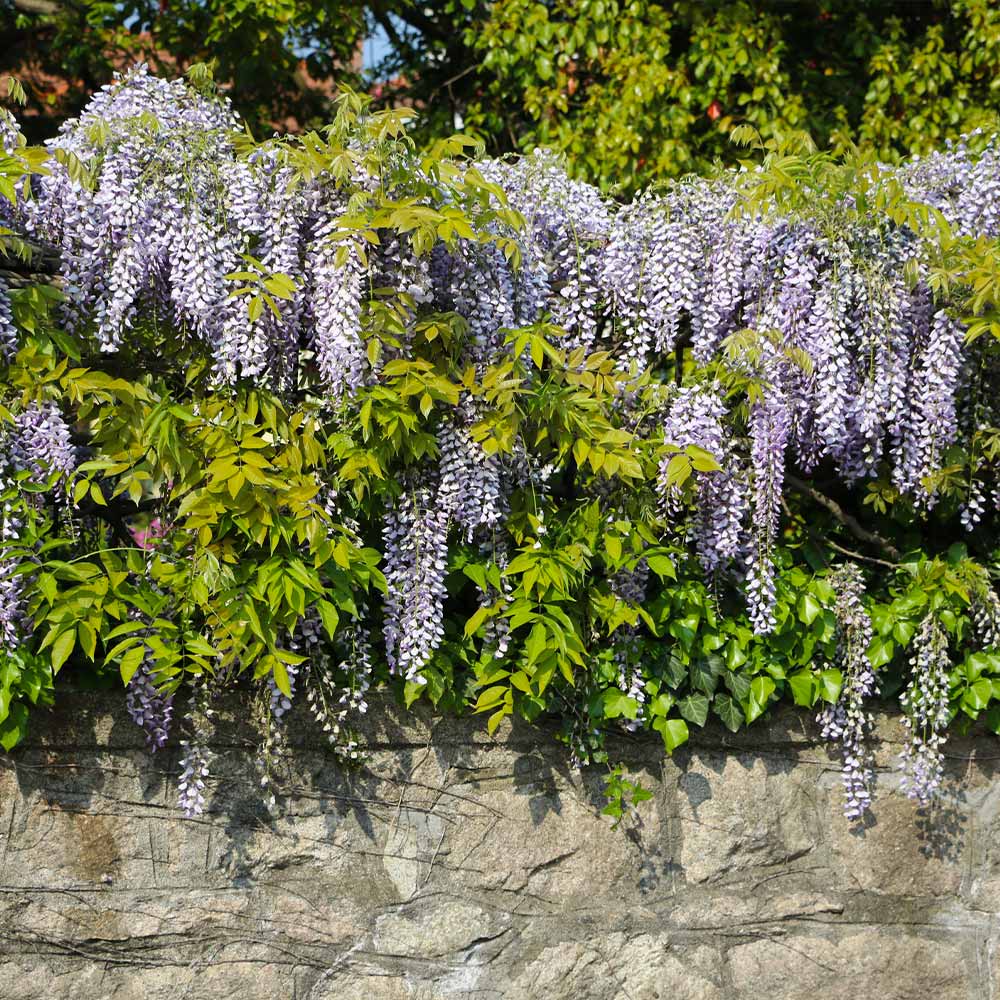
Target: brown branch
[(850, 522), (859, 556)]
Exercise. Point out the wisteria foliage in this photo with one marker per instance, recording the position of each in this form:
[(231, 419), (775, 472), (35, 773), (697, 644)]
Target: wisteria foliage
[(760, 346)]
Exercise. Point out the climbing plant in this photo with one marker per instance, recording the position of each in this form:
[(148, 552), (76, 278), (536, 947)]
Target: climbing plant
[(325, 413)]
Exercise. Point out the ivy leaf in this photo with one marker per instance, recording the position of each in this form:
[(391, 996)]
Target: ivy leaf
[(803, 688), (738, 684), (761, 689), (831, 682), (14, 727), (694, 708), (676, 669), (735, 655), (673, 731), (729, 711), (809, 608), (880, 651), (617, 704), (412, 691), (992, 719), (705, 672), (977, 696)]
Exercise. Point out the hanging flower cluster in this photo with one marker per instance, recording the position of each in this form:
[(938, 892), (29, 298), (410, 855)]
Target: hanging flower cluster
[(848, 719), (148, 707), (37, 442), (13, 622), (8, 332), (925, 702)]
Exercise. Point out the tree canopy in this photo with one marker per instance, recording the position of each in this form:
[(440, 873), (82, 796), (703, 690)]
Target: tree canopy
[(632, 90)]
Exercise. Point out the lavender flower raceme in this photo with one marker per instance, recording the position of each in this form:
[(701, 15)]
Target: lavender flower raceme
[(925, 702), (416, 549), (331, 703), (148, 707), (770, 425), (697, 417), (196, 757), (847, 720), (191, 786), (8, 332), (41, 442)]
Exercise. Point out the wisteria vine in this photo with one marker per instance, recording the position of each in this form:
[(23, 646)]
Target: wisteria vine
[(734, 349)]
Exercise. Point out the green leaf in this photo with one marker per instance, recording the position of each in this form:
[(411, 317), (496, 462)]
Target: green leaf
[(617, 704), (613, 546), (676, 669), (281, 678), (475, 621), (702, 460), (662, 566), (495, 719), (830, 683), (992, 719), (87, 638), (728, 711), (761, 689), (977, 696), (738, 684), (537, 643), (705, 672), (329, 616), (130, 662), (14, 727), (803, 688), (902, 632), (62, 647), (694, 708), (491, 697), (809, 608), (735, 654), (412, 691), (880, 651), (673, 731)]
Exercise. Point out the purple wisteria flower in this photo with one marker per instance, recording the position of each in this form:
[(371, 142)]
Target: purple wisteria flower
[(41, 443), (847, 720), (149, 707), (8, 331), (925, 702), (415, 538)]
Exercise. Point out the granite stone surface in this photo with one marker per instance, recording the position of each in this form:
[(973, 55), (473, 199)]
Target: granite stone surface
[(456, 865)]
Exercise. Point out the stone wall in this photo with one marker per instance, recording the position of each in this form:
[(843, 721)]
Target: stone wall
[(457, 866)]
